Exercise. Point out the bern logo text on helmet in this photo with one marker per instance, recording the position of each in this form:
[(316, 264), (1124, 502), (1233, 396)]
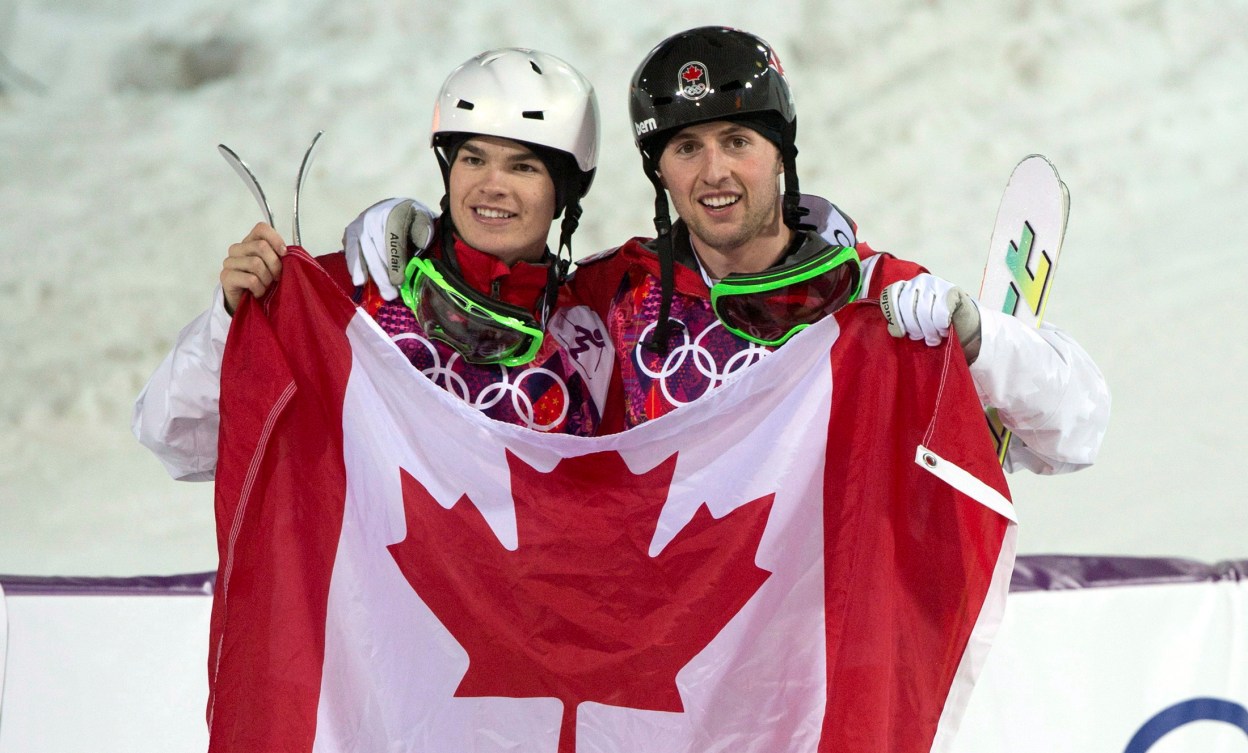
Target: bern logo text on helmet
[(693, 82), (645, 126)]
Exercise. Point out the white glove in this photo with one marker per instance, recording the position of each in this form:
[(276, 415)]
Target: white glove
[(922, 308), (381, 241)]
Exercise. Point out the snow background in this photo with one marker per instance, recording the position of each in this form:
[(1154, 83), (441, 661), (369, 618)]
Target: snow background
[(116, 210)]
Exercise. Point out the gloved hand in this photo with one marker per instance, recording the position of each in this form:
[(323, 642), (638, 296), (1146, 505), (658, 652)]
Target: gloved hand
[(922, 308), (381, 241)]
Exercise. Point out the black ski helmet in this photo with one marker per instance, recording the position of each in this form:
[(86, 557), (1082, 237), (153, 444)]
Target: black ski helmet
[(707, 74)]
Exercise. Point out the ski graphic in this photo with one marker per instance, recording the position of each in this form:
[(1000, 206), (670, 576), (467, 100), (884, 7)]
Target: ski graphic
[(1022, 256)]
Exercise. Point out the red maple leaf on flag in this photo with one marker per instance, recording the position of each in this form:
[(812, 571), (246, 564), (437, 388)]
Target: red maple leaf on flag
[(692, 73), (580, 611)]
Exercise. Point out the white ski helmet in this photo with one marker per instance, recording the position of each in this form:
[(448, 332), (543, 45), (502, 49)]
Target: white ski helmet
[(524, 95)]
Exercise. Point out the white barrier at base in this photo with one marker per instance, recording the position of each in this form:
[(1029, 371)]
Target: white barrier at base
[(105, 666), (1116, 654), (1095, 654)]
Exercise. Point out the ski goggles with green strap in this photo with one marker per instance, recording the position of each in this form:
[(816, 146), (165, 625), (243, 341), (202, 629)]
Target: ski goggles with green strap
[(479, 328), (770, 307)]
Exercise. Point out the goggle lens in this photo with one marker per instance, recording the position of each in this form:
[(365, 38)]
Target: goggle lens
[(479, 335), (771, 312)]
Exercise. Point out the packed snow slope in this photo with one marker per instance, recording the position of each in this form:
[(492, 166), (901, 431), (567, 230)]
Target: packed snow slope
[(116, 211)]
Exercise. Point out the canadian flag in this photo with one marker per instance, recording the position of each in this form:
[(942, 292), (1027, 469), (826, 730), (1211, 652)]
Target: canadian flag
[(812, 558)]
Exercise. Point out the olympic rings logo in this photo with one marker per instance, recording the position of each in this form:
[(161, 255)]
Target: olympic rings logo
[(506, 384), (700, 358), (1186, 712)]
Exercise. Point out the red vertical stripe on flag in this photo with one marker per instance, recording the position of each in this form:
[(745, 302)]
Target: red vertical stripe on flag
[(283, 380), (908, 559)]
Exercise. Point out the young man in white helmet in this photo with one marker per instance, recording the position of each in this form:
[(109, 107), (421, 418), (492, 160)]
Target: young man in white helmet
[(747, 265), (515, 132)]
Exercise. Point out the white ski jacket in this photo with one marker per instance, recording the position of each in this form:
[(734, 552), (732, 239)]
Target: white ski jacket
[(1046, 389), (176, 415)]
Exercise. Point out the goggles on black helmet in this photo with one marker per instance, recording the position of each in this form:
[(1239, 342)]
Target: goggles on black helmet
[(701, 75), (479, 328), (770, 307)]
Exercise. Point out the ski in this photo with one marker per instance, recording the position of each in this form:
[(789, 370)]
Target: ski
[(257, 192), (304, 166), (1023, 253), (253, 185)]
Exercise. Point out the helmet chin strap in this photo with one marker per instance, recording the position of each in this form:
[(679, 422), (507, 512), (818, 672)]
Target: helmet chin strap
[(557, 269), (447, 239), (794, 212), (667, 265)]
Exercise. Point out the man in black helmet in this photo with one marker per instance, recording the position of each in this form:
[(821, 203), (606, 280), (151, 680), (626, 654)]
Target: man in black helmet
[(747, 264)]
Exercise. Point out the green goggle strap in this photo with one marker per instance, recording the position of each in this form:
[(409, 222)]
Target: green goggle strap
[(775, 279)]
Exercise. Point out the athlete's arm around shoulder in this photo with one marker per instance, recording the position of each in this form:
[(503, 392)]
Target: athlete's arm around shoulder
[(596, 279)]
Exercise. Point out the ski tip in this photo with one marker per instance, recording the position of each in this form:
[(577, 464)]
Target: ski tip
[(1037, 158), (1037, 162)]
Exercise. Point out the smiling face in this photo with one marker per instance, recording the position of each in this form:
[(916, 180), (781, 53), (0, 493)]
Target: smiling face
[(723, 179), (502, 198)]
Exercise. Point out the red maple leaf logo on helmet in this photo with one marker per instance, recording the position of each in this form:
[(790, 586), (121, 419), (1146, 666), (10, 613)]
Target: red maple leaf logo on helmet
[(692, 73), (774, 62), (581, 610)]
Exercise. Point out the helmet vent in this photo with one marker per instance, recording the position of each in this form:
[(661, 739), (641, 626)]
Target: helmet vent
[(732, 86), (464, 104), (533, 115), (662, 101), (535, 67)]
